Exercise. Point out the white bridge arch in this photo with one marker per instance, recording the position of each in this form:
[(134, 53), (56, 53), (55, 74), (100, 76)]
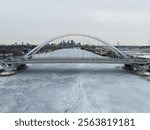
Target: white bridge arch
[(48, 42)]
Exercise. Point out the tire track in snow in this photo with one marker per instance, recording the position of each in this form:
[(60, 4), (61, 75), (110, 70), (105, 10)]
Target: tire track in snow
[(80, 100)]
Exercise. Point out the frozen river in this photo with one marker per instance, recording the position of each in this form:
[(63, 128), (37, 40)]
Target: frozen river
[(74, 88)]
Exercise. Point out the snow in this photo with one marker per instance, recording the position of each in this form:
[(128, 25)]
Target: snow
[(138, 54), (5, 73), (75, 88), (146, 56)]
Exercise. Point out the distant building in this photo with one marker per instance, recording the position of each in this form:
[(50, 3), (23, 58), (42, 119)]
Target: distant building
[(69, 44)]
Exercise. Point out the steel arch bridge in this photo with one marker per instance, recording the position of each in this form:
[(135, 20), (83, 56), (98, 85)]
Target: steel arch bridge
[(111, 47), (95, 49)]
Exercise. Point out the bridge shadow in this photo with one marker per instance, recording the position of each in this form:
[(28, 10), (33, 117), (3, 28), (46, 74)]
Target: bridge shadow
[(83, 70), (1, 70)]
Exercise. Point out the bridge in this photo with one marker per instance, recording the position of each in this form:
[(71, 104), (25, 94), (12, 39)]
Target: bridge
[(75, 48)]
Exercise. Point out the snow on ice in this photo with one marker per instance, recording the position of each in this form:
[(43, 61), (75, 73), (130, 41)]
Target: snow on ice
[(75, 88)]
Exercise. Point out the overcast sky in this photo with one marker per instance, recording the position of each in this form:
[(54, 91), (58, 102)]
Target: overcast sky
[(34, 21)]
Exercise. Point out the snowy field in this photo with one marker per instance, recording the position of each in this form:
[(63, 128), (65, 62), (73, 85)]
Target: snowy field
[(75, 88)]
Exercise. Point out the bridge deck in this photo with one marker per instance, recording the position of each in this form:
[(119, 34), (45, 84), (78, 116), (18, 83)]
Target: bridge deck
[(75, 60)]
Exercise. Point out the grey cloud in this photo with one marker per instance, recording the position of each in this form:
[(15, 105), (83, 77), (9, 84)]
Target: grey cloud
[(37, 20)]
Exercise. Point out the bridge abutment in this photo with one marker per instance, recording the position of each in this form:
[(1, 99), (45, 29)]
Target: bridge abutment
[(129, 67), (10, 69), (138, 67)]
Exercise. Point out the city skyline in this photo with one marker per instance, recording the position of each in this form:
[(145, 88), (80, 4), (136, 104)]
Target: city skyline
[(35, 21)]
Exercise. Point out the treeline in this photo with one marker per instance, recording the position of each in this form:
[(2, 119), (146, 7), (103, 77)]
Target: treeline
[(21, 49), (16, 49), (99, 50), (61, 45)]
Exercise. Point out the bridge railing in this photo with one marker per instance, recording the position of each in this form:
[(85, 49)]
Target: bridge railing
[(22, 60), (76, 59)]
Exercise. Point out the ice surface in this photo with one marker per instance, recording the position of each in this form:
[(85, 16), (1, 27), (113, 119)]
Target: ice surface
[(75, 88), (68, 53)]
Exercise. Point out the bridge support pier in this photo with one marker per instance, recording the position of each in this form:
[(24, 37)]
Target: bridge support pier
[(129, 67), (142, 67), (10, 69)]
